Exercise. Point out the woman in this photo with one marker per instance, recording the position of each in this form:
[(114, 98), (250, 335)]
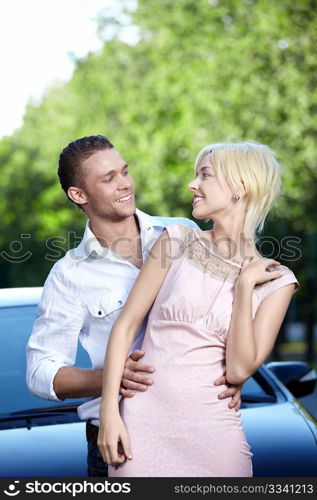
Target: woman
[(217, 307)]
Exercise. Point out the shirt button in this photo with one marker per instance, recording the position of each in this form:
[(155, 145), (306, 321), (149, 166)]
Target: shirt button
[(120, 302), (100, 313)]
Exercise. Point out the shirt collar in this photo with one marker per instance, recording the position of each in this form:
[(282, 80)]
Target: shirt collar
[(148, 222), (89, 243)]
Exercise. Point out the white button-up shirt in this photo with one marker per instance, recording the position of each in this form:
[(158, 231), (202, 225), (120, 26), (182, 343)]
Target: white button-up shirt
[(82, 297)]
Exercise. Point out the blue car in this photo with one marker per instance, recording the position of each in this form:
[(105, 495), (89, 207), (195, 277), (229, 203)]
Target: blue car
[(41, 438)]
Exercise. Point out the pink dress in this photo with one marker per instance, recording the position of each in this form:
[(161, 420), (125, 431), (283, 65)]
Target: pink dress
[(179, 427)]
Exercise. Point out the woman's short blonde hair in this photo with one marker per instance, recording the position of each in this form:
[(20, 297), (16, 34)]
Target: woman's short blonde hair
[(248, 167)]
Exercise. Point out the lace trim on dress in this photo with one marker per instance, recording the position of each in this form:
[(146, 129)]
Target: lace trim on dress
[(201, 255)]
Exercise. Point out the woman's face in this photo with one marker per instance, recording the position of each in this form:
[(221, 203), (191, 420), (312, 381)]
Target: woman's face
[(211, 199)]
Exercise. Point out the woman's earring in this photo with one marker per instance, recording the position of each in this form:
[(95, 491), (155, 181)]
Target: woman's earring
[(236, 197)]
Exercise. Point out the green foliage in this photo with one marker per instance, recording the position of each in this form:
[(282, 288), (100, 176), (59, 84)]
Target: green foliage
[(203, 71)]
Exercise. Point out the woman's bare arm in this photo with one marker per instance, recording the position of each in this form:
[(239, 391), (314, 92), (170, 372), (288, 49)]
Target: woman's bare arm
[(138, 304), (250, 340), (140, 300)]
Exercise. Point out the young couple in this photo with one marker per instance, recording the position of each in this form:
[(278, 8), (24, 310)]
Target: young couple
[(216, 306)]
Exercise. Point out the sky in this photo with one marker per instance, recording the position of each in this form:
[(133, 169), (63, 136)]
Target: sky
[(36, 40)]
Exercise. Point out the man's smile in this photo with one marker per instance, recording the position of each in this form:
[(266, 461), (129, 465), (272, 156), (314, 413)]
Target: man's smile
[(125, 199)]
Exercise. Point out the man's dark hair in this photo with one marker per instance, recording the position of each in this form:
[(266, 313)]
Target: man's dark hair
[(70, 172)]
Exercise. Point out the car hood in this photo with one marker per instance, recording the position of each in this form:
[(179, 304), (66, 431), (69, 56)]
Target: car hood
[(45, 451), (281, 441)]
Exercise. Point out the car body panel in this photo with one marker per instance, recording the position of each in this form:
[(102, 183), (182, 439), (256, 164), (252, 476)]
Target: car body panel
[(20, 296), (278, 442), (57, 450)]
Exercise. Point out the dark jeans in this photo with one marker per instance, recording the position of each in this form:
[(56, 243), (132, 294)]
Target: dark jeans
[(96, 466)]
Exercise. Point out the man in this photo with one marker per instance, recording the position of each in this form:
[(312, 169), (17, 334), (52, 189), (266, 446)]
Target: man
[(86, 290)]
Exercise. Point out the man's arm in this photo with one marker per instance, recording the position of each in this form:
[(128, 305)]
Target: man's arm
[(73, 382), (54, 339), (52, 348)]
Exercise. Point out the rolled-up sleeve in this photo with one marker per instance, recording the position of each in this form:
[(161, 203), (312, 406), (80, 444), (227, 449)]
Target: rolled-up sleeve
[(54, 338)]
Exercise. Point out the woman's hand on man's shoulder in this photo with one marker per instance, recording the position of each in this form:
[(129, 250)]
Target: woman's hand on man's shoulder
[(258, 270)]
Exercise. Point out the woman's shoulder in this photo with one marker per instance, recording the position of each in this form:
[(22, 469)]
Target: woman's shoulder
[(282, 268), (182, 231), (182, 238), (287, 278)]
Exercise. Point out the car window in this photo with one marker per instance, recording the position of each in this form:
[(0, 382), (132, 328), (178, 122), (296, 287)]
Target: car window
[(257, 390), (15, 327), (251, 386)]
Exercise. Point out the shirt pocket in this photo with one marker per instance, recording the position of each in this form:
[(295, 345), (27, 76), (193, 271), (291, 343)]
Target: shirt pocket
[(102, 306)]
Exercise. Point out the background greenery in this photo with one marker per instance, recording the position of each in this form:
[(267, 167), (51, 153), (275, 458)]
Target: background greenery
[(202, 71)]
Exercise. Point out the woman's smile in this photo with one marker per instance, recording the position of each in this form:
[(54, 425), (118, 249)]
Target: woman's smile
[(197, 199)]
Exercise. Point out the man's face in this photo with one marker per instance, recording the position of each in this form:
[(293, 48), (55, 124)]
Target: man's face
[(108, 186)]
